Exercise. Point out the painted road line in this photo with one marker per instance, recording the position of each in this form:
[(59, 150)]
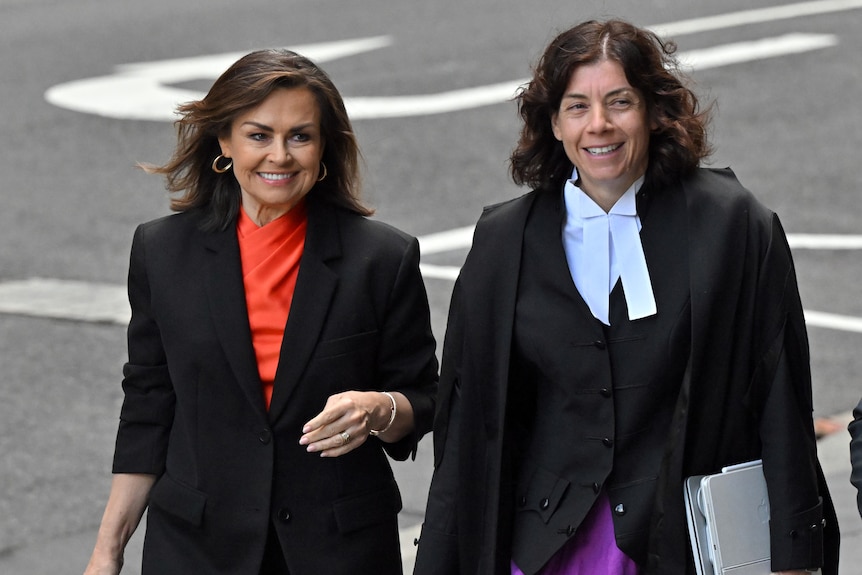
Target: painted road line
[(825, 241), (754, 16), (739, 52), (65, 299), (143, 90), (833, 321)]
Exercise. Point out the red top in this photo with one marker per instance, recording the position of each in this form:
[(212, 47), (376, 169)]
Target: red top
[(270, 263)]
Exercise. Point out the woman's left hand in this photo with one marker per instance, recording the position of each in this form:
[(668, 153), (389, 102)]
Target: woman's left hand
[(344, 423)]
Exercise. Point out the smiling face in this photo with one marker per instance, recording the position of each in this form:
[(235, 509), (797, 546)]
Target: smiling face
[(276, 150), (602, 123)]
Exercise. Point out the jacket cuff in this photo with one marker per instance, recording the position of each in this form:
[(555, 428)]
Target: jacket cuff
[(797, 541)]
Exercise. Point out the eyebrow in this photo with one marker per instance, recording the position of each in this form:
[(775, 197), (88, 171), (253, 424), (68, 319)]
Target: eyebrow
[(610, 94), (294, 129)]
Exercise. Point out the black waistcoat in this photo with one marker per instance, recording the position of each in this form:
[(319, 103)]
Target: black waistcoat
[(592, 403)]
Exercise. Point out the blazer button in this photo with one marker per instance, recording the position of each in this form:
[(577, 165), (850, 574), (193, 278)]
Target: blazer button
[(599, 344), (620, 509), (596, 487), (545, 503), (522, 502), (605, 392), (608, 442), (283, 514), (265, 436)]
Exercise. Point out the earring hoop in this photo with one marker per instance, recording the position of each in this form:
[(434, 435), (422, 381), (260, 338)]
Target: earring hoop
[(325, 173), (218, 170)]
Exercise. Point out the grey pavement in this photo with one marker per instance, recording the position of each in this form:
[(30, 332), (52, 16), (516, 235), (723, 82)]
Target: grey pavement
[(68, 555)]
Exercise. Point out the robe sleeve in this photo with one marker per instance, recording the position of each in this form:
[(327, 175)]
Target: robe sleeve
[(438, 543), (789, 449), (855, 429)]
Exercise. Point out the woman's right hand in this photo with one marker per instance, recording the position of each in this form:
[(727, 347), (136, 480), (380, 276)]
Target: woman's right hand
[(103, 566), (126, 505)]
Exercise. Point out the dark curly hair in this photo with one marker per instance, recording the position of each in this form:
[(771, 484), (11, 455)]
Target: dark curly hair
[(677, 144), (246, 84)]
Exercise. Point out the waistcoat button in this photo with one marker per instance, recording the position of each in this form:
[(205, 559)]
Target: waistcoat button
[(605, 392), (265, 436), (545, 503), (608, 442), (599, 344), (284, 514), (620, 509)]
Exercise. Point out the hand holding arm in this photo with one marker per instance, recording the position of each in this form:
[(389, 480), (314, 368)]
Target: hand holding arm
[(123, 512)]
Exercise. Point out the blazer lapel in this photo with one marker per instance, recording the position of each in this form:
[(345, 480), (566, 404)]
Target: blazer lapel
[(226, 293), (315, 288)]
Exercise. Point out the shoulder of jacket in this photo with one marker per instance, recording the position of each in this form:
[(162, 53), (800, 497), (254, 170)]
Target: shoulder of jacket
[(720, 191), (172, 224), (503, 212)]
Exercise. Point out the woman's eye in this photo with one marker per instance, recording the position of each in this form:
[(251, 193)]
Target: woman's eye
[(300, 138), (258, 137)]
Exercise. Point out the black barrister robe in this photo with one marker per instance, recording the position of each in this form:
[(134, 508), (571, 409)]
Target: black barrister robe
[(746, 393)]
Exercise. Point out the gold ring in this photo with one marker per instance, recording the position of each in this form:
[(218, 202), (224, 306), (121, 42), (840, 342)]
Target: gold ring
[(345, 438)]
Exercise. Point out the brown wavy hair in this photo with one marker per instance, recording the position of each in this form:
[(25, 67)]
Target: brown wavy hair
[(677, 144), (243, 86)]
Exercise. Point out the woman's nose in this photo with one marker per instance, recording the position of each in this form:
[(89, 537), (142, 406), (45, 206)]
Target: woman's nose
[(598, 118)]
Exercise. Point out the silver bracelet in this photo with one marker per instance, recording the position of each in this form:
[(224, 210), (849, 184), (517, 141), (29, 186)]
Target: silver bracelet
[(394, 410)]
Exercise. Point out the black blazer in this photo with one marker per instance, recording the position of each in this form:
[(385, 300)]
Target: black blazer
[(194, 413)]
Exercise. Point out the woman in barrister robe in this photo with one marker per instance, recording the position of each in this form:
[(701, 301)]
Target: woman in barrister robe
[(632, 321), (279, 346)]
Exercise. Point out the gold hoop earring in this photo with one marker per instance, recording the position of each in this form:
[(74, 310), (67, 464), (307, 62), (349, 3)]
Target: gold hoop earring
[(325, 173), (218, 170)]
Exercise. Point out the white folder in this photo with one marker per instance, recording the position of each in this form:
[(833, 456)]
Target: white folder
[(728, 521)]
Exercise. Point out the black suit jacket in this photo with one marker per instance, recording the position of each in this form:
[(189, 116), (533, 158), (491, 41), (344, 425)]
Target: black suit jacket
[(194, 413), (746, 392)]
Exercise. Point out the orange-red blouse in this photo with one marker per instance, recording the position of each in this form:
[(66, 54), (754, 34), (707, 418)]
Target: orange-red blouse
[(270, 264)]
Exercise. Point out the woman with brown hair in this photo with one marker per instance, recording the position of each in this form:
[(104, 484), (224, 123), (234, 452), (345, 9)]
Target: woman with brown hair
[(279, 346), (632, 321)]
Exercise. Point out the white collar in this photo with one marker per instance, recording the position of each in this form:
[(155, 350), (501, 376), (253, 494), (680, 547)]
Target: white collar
[(603, 247)]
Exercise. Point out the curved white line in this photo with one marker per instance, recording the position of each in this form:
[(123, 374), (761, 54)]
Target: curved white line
[(755, 16)]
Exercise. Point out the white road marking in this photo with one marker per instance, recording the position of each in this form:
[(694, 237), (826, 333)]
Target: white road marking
[(824, 241), (141, 91), (833, 321), (65, 299), (739, 52), (754, 16)]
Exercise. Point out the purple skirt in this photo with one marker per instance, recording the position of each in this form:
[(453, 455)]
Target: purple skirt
[(592, 550)]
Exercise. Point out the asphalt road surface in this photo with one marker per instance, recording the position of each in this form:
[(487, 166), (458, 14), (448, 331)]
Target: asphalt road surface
[(87, 90)]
